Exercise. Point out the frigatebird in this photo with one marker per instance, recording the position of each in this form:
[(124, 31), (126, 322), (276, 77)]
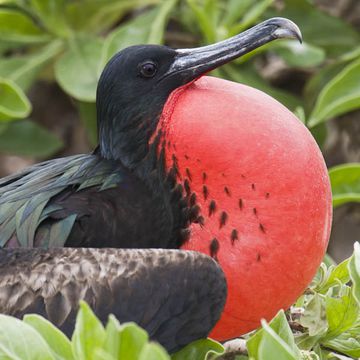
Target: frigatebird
[(63, 221)]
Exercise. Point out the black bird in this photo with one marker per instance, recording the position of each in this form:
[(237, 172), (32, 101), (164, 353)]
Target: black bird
[(120, 196)]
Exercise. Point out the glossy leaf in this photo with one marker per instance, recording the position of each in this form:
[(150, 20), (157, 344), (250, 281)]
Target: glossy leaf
[(346, 343), (153, 351), (78, 70), (235, 9), (340, 95), (314, 317), (52, 15), (88, 335), (320, 133), (131, 33), (28, 139), (325, 31), (354, 269), (158, 26), (338, 273), (345, 183), (24, 69), (300, 55), (95, 16), (278, 326), (203, 21), (144, 29), (316, 83), (199, 350), (17, 27), (341, 313), (19, 340), (251, 16), (13, 102), (124, 341), (58, 343), (272, 346)]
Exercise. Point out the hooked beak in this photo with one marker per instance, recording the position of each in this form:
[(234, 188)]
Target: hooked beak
[(190, 64)]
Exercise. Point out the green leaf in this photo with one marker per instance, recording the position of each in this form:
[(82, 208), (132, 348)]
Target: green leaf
[(19, 340), (341, 313), (318, 81), (306, 342), (345, 343), (354, 270), (13, 102), (88, 116), (319, 29), (328, 260), (95, 16), (251, 16), (345, 183), (158, 26), (338, 273), (29, 139), (235, 9), (144, 29), (272, 346), (124, 341), (299, 112), (314, 317), (17, 27), (199, 350), (59, 344), (320, 132), (52, 16), (334, 356), (153, 351), (78, 70), (23, 69), (101, 354), (131, 33), (203, 21), (300, 55), (280, 327), (340, 95), (88, 335)]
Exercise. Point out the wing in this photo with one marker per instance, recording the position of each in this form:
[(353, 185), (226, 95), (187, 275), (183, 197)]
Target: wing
[(25, 198), (177, 296)]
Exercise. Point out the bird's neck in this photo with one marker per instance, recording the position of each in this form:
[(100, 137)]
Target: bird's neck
[(132, 134), (125, 137)]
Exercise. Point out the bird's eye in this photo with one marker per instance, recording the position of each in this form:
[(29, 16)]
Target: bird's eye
[(148, 69)]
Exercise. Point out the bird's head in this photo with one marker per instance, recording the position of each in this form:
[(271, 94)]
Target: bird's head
[(138, 80)]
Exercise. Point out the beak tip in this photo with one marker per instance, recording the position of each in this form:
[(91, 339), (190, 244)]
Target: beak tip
[(286, 29)]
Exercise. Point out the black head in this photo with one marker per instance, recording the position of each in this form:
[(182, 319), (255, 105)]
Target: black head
[(130, 96), (137, 81)]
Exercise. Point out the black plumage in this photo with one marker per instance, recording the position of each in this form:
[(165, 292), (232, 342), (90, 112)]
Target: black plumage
[(192, 288), (120, 196)]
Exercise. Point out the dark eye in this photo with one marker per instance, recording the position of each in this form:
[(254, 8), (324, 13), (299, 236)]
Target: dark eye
[(148, 69)]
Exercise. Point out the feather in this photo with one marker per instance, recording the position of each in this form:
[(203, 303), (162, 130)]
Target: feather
[(26, 198), (60, 231)]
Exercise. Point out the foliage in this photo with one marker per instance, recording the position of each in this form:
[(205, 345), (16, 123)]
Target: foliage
[(323, 324), (70, 43), (36, 338)]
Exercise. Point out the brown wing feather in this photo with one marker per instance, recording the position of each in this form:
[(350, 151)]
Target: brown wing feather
[(177, 296)]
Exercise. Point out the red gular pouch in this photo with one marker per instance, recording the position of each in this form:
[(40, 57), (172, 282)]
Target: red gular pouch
[(262, 191)]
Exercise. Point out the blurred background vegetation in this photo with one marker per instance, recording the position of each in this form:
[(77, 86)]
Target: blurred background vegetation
[(53, 51)]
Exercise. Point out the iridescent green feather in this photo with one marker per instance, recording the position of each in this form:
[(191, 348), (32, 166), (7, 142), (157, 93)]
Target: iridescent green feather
[(25, 198)]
